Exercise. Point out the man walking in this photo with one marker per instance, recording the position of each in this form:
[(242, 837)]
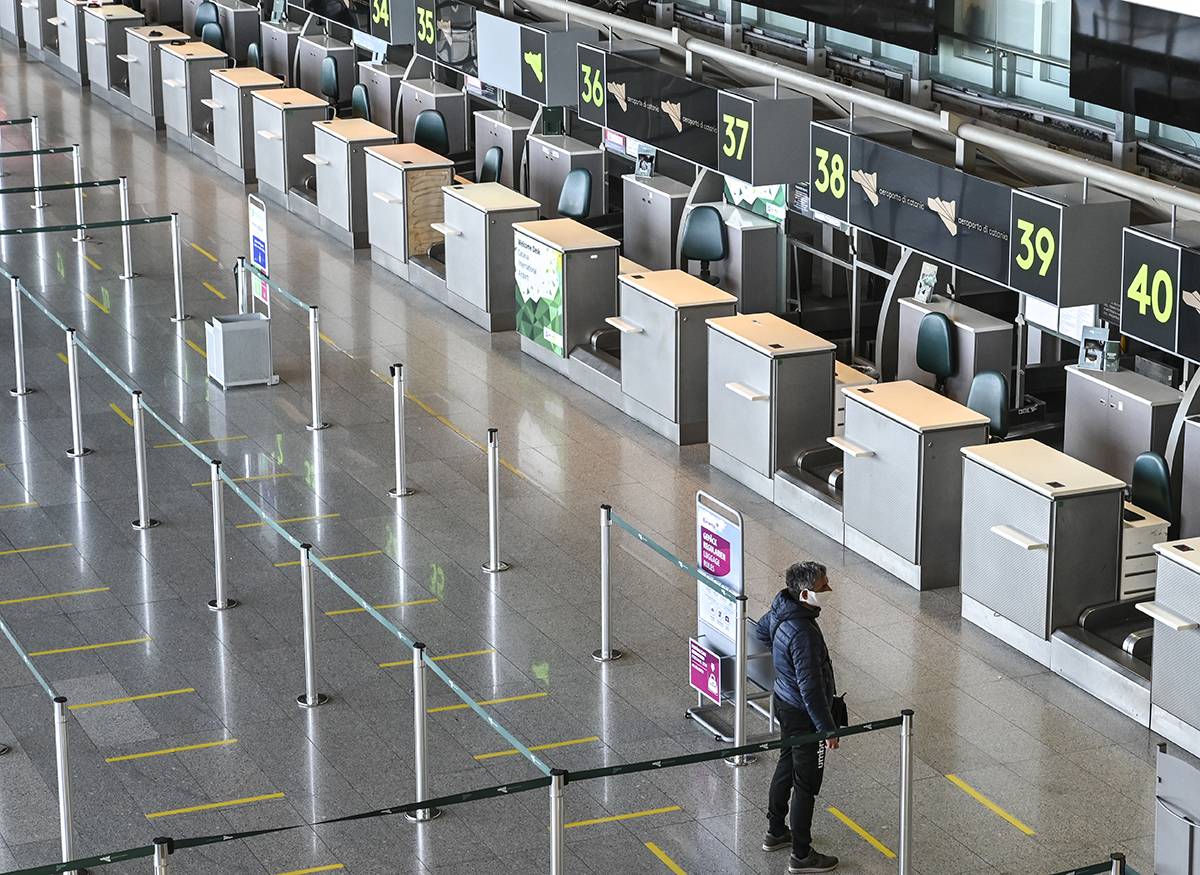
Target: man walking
[(804, 697)]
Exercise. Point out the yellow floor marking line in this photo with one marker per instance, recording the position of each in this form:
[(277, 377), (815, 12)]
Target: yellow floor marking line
[(232, 437), (167, 750), (362, 555), (523, 698), (34, 549), (213, 289), (332, 867), (18, 504), (551, 746), (861, 832), (82, 647), (124, 699), (92, 299), (210, 806), (294, 519), (55, 595), (409, 604), (204, 252), (616, 818), (989, 804), (249, 479), (196, 347), (121, 413), (95, 264), (665, 859), (62, 358), (442, 658)]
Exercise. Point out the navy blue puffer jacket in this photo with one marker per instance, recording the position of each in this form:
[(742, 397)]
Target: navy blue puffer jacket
[(803, 670)]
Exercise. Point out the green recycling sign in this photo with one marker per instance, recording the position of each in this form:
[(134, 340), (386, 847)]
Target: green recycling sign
[(539, 275)]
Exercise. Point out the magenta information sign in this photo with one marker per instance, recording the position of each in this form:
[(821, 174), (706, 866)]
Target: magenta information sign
[(704, 670)]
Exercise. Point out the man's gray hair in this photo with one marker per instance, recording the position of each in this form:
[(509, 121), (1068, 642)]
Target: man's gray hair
[(804, 575)]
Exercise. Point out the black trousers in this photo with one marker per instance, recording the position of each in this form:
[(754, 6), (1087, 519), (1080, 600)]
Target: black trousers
[(797, 779)]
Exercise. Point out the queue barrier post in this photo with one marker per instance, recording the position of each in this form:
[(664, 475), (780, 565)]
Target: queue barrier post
[(62, 762), (1117, 864), (162, 854), (138, 416), (35, 138), (606, 653), (222, 602), (77, 448), (177, 268), (240, 285), (314, 368), (494, 564), (557, 843), (77, 178), (401, 489), (904, 857), (739, 685), (14, 288), (126, 246), (310, 698), (421, 765)]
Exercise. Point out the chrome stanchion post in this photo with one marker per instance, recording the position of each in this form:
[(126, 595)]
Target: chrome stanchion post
[(401, 489), (77, 447), (126, 245), (240, 285), (494, 564), (1118, 864), (139, 451), (314, 367), (739, 686), (606, 653), (14, 287), (62, 761), (310, 698), (904, 857), (162, 853), (177, 268), (420, 765), (35, 136), (557, 845), (77, 178), (222, 602)]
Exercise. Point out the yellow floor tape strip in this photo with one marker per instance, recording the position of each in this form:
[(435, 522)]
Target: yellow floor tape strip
[(124, 699), (332, 867), (861, 832), (295, 519), (665, 859), (83, 647), (364, 554), (18, 505), (410, 604), (55, 595), (523, 698), (551, 746), (989, 804), (34, 549), (212, 806), (213, 289), (249, 479), (616, 818), (204, 252), (234, 437), (95, 264), (195, 347), (121, 413), (443, 658), (168, 750)]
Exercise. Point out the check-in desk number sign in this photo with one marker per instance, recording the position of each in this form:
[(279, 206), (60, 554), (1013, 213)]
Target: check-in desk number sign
[(736, 130), (829, 170), (1033, 266), (381, 19), (1160, 298), (533, 65), (426, 15), (592, 84)]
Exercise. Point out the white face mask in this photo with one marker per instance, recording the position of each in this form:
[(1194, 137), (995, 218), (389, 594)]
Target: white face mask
[(810, 598)]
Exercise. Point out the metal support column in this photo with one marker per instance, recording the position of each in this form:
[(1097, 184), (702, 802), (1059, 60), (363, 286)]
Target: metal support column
[(77, 447), (162, 853), (314, 368), (240, 285), (401, 489), (739, 686), (77, 178), (906, 792), (62, 761), (557, 845), (35, 137), (126, 246), (420, 760), (494, 563), (222, 602), (138, 415), (310, 698), (14, 287), (177, 268), (606, 653)]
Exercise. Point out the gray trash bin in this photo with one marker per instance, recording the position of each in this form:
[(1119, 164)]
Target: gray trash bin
[(239, 349)]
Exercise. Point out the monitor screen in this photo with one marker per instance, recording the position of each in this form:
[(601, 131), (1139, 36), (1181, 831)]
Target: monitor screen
[(350, 14), (909, 23)]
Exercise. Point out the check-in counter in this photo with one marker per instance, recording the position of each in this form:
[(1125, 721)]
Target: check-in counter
[(339, 155), (551, 158), (664, 350), (12, 28), (1174, 702), (163, 12), (750, 271), (404, 201), (233, 117), (506, 131), (311, 51), (902, 481), (283, 135), (652, 208), (1140, 531), (845, 376), (280, 40), (566, 277), (382, 82), (770, 396), (187, 83), (418, 95), (72, 50), (478, 224), (1041, 541), (143, 59), (981, 343), (239, 23), (39, 28), (105, 45)]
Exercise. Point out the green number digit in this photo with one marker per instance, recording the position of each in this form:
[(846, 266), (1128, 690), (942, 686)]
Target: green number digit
[(1036, 244), (736, 132), (1162, 292), (822, 181), (1139, 290), (425, 25), (837, 180), (380, 14), (1044, 244), (1025, 259), (593, 89)]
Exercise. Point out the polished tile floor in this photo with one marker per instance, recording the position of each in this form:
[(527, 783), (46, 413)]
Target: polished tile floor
[(1017, 771)]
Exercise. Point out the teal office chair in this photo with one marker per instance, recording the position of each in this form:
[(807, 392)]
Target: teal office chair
[(211, 34), (489, 168), (206, 13), (936, 352), (704, 240), (1150, 485), (360, 107), (575, 198), (430, 131), (329, 85), (989, 396), (254, 56)]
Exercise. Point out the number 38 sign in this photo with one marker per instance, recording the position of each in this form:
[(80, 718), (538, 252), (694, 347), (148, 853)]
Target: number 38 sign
[(1160, 291)]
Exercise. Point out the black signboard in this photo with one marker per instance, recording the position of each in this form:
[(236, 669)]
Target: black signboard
[(533, 64), (1150, 274), (381, 20), (939, 210), (736, 116), (592, 90), (1187, 342), (445, 33), (829, 173), (1035, 239), (665, 110)]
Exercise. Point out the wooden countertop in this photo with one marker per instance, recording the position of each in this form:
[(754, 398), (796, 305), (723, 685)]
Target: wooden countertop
[(248, 77), (157, 32), (566, 234), (350, 130), (195, 51), (1043, 469), (967, 318), (112, 11), (1185, 552), (505, 117), (662, 184), (844, 375), (770, 335), (291, 98), (409, 156), (490, 197), (677, 288), (913, 405), (628, 265)]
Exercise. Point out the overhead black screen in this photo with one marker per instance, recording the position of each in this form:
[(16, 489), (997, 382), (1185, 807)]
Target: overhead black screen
[(911, 23), (355, 15), (1137, 59)]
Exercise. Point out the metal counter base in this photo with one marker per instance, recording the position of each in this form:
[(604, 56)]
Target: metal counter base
[(303, 205), (545, 356), (114, 98), (741, 472), (1005, 629), (490, 322), (154, 122), (1073, 658), (718, 719), (919, 577), (179, 138), (1173, 729), (268, 192), (808, 505), (35, 53), (244, 175), (353, 239), (204, 150), (12, 39), (55, 63)]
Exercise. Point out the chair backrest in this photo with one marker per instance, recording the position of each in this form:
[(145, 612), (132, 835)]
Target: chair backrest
[(1150, 485), (489, 168), (936, 353), (330, 87), (430, 131), (212, 35), (703, 236), (989, 396), (575, 199), (254, 56), (359, 105), (206, 13)]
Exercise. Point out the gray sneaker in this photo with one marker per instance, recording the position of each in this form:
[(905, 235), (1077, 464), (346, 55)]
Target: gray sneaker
[(814, 862), (772, 842)]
